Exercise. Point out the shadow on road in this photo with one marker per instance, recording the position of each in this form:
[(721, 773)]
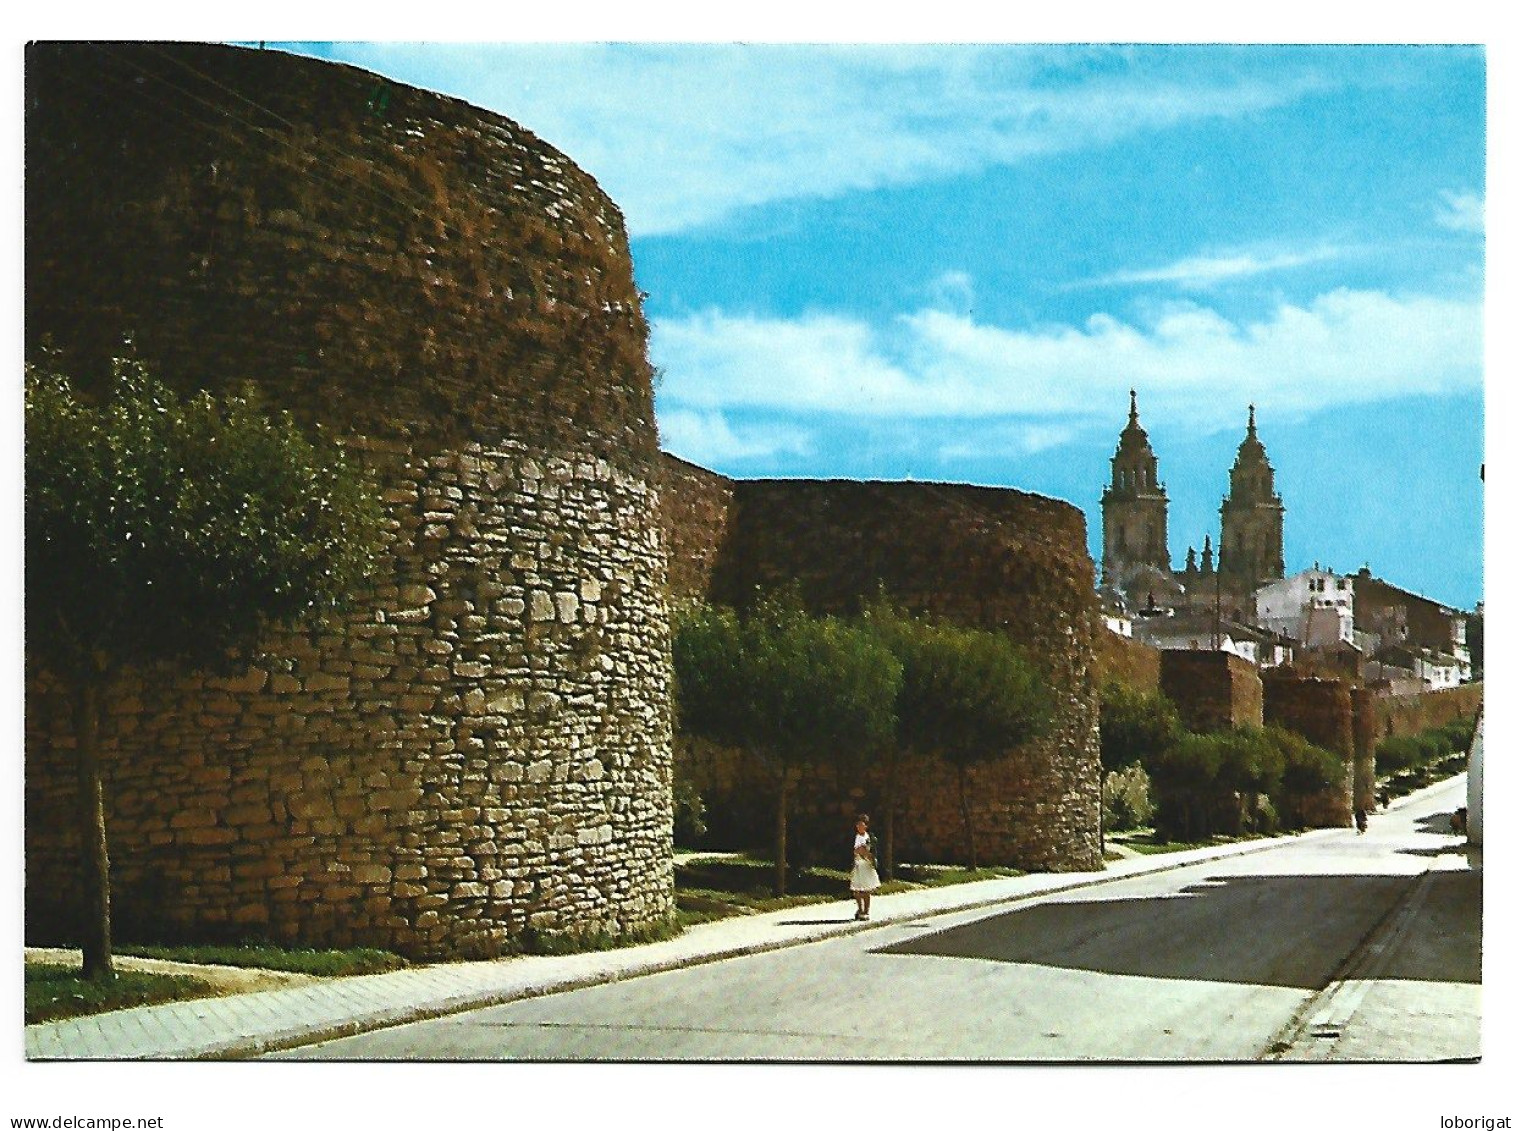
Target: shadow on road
[(1456, 848), (1261, 930), (1439, 824)]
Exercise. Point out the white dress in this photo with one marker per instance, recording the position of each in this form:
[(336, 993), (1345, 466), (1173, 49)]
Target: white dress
[(863, 876)]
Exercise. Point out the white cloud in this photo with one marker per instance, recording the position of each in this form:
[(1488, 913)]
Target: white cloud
[(685, 135), (707, 438), (953, 290), (819, 363), (1203, 271), (1461, 212), (1004, 440), (1197, 366)]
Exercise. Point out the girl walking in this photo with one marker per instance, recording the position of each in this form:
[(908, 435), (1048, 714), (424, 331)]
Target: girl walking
[(863, 874)]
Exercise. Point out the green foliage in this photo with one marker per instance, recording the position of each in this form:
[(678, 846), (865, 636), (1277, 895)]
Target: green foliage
[(161, 528), (1188, 793), (1127, 799), (170, 530), (320, 963), (968, 695), (1135, 727), (1307, 769), (786, 686), (1399, 752), (1237, 780), (56, 992), (710, 888), (1459, 732), (1409, 752), (534, 941)]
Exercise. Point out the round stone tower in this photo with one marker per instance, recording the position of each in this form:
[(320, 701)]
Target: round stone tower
[(482, 749)]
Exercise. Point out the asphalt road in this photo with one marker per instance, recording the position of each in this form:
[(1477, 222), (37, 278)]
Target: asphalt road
[(1343, 947)]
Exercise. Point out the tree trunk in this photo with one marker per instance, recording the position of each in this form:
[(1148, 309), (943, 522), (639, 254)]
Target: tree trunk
[(95, 866), (966, 818), (783, 795), (890, 804)]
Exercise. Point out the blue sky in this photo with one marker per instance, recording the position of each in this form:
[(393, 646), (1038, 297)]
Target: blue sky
[(952, 262)]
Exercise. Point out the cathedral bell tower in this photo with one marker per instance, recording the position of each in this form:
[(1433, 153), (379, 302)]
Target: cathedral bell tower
[(1134, 505), (1251, 516)]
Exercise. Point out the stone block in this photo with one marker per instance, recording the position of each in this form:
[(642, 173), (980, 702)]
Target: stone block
[(541, 606)]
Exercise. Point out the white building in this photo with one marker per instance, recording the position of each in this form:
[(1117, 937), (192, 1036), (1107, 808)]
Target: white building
[(1432, 670), (1118, 623), (1313, 607), (1204, 632)]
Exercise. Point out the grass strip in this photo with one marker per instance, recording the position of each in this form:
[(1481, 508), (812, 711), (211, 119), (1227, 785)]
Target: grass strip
[(56, 992), (322, 963)]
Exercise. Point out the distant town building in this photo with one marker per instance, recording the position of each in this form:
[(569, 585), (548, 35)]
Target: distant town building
[(1314, 607), (1431, 671), (1193, 630), (1396, 627)]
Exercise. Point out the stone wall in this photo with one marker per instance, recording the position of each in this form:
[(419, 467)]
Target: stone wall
[(695, 517), (482, 746), (1212, 690), (992, 558), (1128, 661), (1320, 710), (1411, 714)]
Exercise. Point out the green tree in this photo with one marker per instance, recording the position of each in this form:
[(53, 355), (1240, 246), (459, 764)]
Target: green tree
[(1185, 776), (900, 634), (788, 688), (162, 530), (968, 696), (1134, 726), (1308, 770), (1251, 766)]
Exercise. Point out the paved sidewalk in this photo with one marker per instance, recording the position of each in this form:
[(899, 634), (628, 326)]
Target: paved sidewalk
[(246, 1025)]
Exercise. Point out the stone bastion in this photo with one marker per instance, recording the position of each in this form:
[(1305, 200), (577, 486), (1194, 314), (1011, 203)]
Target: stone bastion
[(988, 557), (482, 747)]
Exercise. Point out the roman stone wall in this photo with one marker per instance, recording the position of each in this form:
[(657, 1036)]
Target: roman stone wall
[(1128, 661), (992, 558), (1321, 710), (1411, 714), (482, 746), (695, 516), (1212, 690)]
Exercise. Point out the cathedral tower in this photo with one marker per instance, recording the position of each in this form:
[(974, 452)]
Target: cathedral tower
[(1134, 505), (1251, 516)]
